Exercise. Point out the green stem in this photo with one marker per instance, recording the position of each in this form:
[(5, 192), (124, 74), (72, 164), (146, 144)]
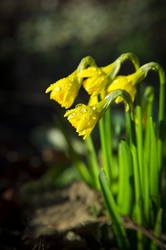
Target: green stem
[(156, 67), (161, 115), (108, 136), (103, 139), (139, 134), (107, 150), (129, 56), (92, 161), (128, 128), (138, 189)]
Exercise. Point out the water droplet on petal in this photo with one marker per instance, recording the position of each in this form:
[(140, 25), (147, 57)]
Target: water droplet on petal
[(83, 110), (71, 115), (71, 78), (94, 108), (57, 88), (94, 117)]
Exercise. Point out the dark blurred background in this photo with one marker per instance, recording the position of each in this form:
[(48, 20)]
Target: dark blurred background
[(42, 41)]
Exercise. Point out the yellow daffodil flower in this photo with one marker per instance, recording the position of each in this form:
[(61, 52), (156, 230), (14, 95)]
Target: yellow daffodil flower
[(65, 90), (84, 117), (127, 83), (97, 79)]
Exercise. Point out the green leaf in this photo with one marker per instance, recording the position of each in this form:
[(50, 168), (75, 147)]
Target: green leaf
[(157, 229), (154, 173), (84, 172), (126, 182), (112, 209)]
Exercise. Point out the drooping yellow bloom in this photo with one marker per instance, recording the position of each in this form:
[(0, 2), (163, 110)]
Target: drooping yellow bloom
[(122, 82), (84, 117), (127, 83), (65, 90), (97, 79)]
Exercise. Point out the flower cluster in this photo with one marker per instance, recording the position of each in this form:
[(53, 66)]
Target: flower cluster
[(99, 82)]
